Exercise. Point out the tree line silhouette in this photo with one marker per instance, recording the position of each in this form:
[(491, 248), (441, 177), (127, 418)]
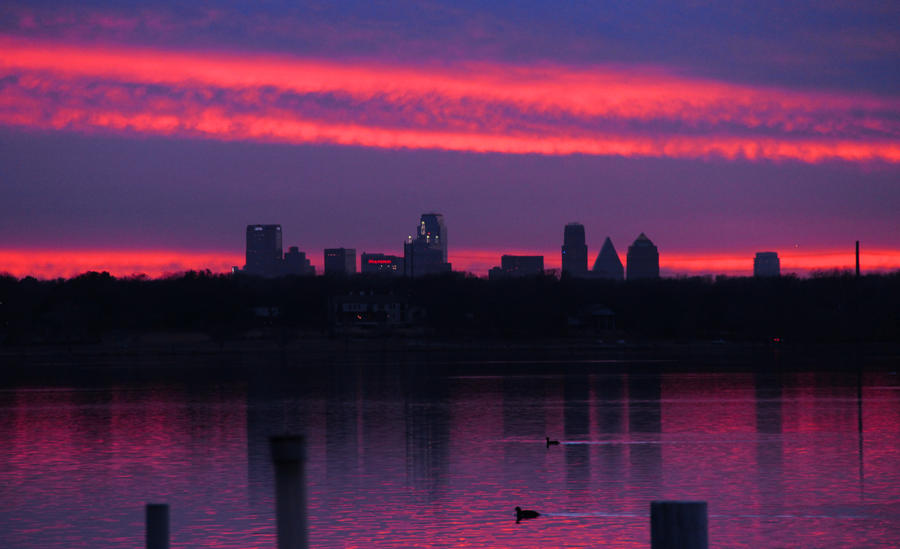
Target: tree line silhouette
[(826, 307)]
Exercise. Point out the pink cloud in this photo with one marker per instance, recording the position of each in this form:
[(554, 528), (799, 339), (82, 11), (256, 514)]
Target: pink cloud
[(476, 108)]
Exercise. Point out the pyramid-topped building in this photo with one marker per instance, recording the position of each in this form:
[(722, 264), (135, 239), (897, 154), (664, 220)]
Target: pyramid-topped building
[(608, 264)]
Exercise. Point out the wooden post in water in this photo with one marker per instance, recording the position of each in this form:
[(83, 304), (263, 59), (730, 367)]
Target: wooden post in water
[(678, 525), (289, 457), (157, 526), (857, 258)]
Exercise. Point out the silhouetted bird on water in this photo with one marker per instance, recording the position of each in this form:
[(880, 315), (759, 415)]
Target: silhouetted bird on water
[(552, 442), (525, 514)]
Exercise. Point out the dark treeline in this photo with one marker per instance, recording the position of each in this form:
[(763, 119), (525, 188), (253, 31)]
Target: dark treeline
[(96, 306)]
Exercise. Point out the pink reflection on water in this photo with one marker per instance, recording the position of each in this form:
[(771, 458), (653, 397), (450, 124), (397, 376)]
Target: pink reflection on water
[(442, 462), (81, 464)]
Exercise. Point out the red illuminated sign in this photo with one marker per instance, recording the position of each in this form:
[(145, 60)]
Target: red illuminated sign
[(379, 261)]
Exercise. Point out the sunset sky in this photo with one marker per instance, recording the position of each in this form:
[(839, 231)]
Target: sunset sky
[(145, 137)]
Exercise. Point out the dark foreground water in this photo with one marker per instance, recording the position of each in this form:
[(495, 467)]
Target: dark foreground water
[(439, 457)]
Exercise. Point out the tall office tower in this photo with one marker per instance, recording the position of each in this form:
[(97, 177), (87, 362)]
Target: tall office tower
[(296, 263), (264, 253), (608, 264), (340, 261), (427, 253), (381, 264), (434, 231), (574, 250), (766, 264), (643, 259)]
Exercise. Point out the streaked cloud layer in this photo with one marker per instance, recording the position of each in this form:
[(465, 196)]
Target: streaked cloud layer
[(474, 107), (805, 43)]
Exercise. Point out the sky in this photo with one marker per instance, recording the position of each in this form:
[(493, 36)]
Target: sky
[(144, 137)]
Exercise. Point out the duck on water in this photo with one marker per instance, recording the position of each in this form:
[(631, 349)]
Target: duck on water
[(524, 514)]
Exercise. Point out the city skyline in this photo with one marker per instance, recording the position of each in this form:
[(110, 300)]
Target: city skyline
[(157, 263), (135, 138), (431, 240), (427, 254)]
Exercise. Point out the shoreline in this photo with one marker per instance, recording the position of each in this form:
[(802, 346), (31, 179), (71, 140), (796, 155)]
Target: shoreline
[(194, 352)]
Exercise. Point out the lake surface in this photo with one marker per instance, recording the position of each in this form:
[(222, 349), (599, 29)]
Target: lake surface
[(419, 456)]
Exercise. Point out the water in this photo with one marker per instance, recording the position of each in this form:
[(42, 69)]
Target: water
[(416, 456)]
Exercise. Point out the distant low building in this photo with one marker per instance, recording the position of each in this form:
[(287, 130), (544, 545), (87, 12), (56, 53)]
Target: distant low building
[(516, 266), (766, 264), (369, 312), (340, 261), (381, 264), (643, 259), (296, 263), (593, 319)]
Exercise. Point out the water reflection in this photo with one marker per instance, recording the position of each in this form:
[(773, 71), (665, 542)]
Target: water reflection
[(576, 427), (427, 425), (406, 456), (525, 427), (769, 446), (275, 405), (612, 425), (644, 426)]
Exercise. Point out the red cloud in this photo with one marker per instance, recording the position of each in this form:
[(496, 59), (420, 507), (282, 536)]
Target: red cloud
[(476, 108)]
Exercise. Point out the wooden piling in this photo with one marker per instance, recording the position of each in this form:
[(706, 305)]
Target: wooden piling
[(157, 526), (289, 457), (678, 525), (857, 258)]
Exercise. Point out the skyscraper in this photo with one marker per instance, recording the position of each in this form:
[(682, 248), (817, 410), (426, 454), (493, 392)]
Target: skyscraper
[(264, 252), (643, 259), (766, 264), (427, 252), (340, 261), (433, 231), (608, 264), (574, 250)]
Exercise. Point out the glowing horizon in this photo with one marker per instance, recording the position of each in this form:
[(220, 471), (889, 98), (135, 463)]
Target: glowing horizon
[(47, 263), (472, 107)]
